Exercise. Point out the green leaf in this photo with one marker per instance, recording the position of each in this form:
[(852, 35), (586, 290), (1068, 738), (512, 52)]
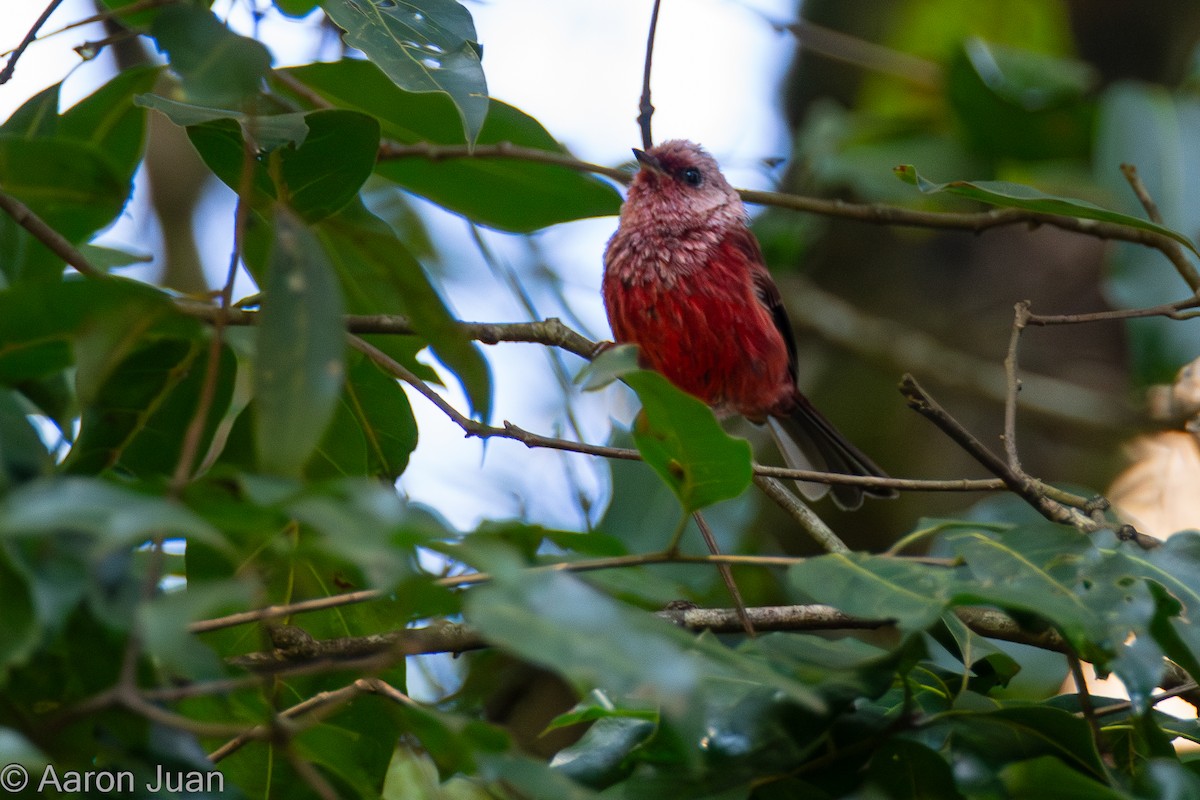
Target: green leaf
[(906, 770), (217, 66), (422, 46), (220, 145), (373, 430), (316, 178), (1009, 734), (1033, 778), (109, 120), (23, 456), (913, 594), (1174, 569), (39, 321), (599, 758), (1167, 779), (133, 423), (326, 172), (479, 188), (37, 116), (611, 365), (680, 438), (110, 258), (74, 170), (1015, 195), (115, 517), (380, 276), (164, 620), (594, 641), (71, 185), (364, 523), (19, 628), (299, 367), (269, 131), (296, 8)]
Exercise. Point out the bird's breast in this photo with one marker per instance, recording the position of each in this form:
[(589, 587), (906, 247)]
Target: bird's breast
[(701, 326)]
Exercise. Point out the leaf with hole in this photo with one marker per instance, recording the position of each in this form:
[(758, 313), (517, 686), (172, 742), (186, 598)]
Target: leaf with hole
[(422, 46)]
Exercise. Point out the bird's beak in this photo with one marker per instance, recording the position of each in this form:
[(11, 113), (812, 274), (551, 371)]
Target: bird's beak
[(648, 161)]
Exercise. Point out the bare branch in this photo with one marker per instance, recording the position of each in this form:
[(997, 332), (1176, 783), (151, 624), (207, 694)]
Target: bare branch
[(1020, 319), (645, 108), (1030, 490), (24, 216), (726, 575), (799, 511), (1143, 194), (436, 152), (876, 214), (7, 73)]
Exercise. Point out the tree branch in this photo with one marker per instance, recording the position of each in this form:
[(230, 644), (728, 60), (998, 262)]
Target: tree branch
[(875, 214), (24, 216), (645, 108), (7, 73), (1033, 492)]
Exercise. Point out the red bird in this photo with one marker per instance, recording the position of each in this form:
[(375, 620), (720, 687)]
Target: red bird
[(684, 280)]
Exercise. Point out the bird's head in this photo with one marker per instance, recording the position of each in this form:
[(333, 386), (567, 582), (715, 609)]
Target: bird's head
[(679, 182)]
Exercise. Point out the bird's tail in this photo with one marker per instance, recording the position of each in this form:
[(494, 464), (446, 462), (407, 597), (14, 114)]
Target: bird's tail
[(809, 441)]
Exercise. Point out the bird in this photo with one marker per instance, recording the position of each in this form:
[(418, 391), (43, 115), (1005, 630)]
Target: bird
[(685, 280)]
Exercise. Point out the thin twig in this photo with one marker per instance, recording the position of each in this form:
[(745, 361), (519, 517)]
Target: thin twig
[(24, 216), (189, 450), (1143, 194), (457, 637), (102, 16), (474, 578), (645, 108), (980, 221), (434, 152), (553, 332), (726, 575), (1173, 310), (301, 89), (971, 221), (1127, 705), (1025, 487), (322, 701), (7, 73), (834, 320), (799, 511), (1020, 319), (1086, 708)]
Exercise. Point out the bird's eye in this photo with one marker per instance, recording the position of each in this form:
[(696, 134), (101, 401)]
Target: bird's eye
[(692, 177)]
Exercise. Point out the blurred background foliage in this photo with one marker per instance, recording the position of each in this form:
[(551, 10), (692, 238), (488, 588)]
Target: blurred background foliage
[(1054, 95)]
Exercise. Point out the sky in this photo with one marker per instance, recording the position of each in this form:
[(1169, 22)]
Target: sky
[(576, 66)]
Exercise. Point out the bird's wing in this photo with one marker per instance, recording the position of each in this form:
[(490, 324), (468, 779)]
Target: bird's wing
[(765, 289)]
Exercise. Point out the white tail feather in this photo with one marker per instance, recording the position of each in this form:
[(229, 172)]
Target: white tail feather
[(795, 458)]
